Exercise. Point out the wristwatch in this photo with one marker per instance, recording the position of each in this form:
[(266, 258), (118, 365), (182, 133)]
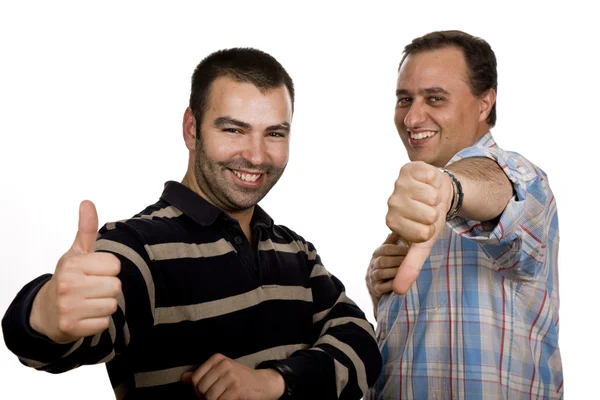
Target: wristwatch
[(287, 374)]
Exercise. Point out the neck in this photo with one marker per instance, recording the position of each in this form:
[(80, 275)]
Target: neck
[(242, 217)]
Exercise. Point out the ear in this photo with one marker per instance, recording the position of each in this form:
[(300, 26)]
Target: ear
[(486, 102), (189, 129)]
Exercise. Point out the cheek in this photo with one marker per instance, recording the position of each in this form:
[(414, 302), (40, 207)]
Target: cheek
[(399, 116), (279, 153)]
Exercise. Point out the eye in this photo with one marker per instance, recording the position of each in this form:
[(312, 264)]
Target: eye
[(232, 130), (404, 101), (435, 99), (276, 134)]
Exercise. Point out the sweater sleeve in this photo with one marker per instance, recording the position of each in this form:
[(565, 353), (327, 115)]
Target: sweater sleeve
[(134, 314)]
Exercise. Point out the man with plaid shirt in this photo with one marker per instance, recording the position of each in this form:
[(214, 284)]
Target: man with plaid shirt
[(472, 257)]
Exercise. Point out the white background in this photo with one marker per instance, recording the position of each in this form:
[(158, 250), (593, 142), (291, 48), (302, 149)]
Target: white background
[(92, 96)]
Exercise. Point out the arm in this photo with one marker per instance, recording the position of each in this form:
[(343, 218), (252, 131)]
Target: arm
[(487, 190), (344, 359), (49, 325), (517, 239), (494, 214)]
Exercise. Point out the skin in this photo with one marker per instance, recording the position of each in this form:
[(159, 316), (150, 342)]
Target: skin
[(244, 130), (434, 99)]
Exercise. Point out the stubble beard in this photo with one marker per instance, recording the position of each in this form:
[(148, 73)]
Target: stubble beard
[(221, 192)]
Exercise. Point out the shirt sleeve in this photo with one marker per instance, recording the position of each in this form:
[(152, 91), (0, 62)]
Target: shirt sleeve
[(516, 240), (39, 352), (344, 360)]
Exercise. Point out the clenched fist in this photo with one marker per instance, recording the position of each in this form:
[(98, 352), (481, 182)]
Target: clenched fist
[(221, 378), (417, 213), (81, 295)]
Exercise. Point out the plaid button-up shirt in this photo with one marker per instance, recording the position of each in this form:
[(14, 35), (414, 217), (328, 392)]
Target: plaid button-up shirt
[(481, 321)]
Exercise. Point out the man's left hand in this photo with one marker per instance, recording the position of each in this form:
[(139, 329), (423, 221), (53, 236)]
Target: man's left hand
[(221, 378)]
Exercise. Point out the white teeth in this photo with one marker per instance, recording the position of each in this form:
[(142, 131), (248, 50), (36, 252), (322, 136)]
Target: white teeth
[(421, 135), (247, 177)]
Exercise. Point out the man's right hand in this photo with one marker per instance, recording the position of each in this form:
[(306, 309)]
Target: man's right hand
[(81, 295), (384, 266)]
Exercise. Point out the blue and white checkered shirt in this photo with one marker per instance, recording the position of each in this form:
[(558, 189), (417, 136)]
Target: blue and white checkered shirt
[(481, 321)]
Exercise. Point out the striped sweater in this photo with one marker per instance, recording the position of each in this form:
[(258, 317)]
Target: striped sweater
[(193, 286)]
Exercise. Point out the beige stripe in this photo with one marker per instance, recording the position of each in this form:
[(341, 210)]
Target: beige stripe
[(292, 247), (341, 374), (75, 346), (121, 303), (136, 259), (196, 312), (162, 377), (344, 320), (361, 375), (33, 363), (274, 353), (167, 212), (107, 358), (342, 299), (319, 270), (172, 375), (39, 364), (169, 251), (112, 330), (96, 338)]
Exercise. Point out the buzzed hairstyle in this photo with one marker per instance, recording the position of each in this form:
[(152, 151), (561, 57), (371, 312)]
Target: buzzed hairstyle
[(245, 65), (479, 56)]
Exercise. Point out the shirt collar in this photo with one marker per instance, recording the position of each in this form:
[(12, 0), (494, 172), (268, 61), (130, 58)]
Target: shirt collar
[(486, 141), (200, 210)]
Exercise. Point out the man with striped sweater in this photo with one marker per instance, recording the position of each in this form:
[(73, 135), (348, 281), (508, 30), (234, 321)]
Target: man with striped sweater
[(201, 294)]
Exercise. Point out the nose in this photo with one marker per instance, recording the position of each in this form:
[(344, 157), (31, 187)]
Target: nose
[(255, 150), (416, 115)]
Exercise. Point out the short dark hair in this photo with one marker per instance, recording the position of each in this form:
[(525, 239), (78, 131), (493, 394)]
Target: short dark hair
[(479, 56), (242, 65)]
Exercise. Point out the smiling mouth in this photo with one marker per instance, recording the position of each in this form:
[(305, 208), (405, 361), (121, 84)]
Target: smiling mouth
[(421, 135), (246, 177)]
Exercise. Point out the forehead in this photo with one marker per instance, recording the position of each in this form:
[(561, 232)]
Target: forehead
[(445, 68), (246, 102)]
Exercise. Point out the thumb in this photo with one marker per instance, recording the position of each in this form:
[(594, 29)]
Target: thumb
[(411, 266), (413, 262), (186, 377), (85, 241)]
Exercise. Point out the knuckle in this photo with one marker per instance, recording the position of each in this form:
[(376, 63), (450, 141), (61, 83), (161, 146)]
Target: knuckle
[(64, 307), (105, 323), (113, 305), (116, 264), (65, 325), (63, 286), (117, 287)]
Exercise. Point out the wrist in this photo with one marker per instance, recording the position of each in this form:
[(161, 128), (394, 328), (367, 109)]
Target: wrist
[(36, 314), (284, 372), (456, 194), (275, 382)]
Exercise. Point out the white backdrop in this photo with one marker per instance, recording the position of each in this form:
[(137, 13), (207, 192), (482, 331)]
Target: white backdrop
[(92, 97)]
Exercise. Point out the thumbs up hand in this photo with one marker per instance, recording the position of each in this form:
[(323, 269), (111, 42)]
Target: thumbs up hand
[(417, 213), (81, 296)]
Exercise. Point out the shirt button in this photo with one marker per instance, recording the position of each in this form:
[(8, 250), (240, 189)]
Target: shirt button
[(237, 240)]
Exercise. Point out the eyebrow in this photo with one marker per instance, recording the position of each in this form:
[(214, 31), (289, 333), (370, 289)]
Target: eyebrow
[(284, 126), (223, 121), (431, 90), (227, 121)]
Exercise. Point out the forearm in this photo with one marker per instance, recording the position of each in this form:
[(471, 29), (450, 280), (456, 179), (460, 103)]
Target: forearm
[(487, 190)]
